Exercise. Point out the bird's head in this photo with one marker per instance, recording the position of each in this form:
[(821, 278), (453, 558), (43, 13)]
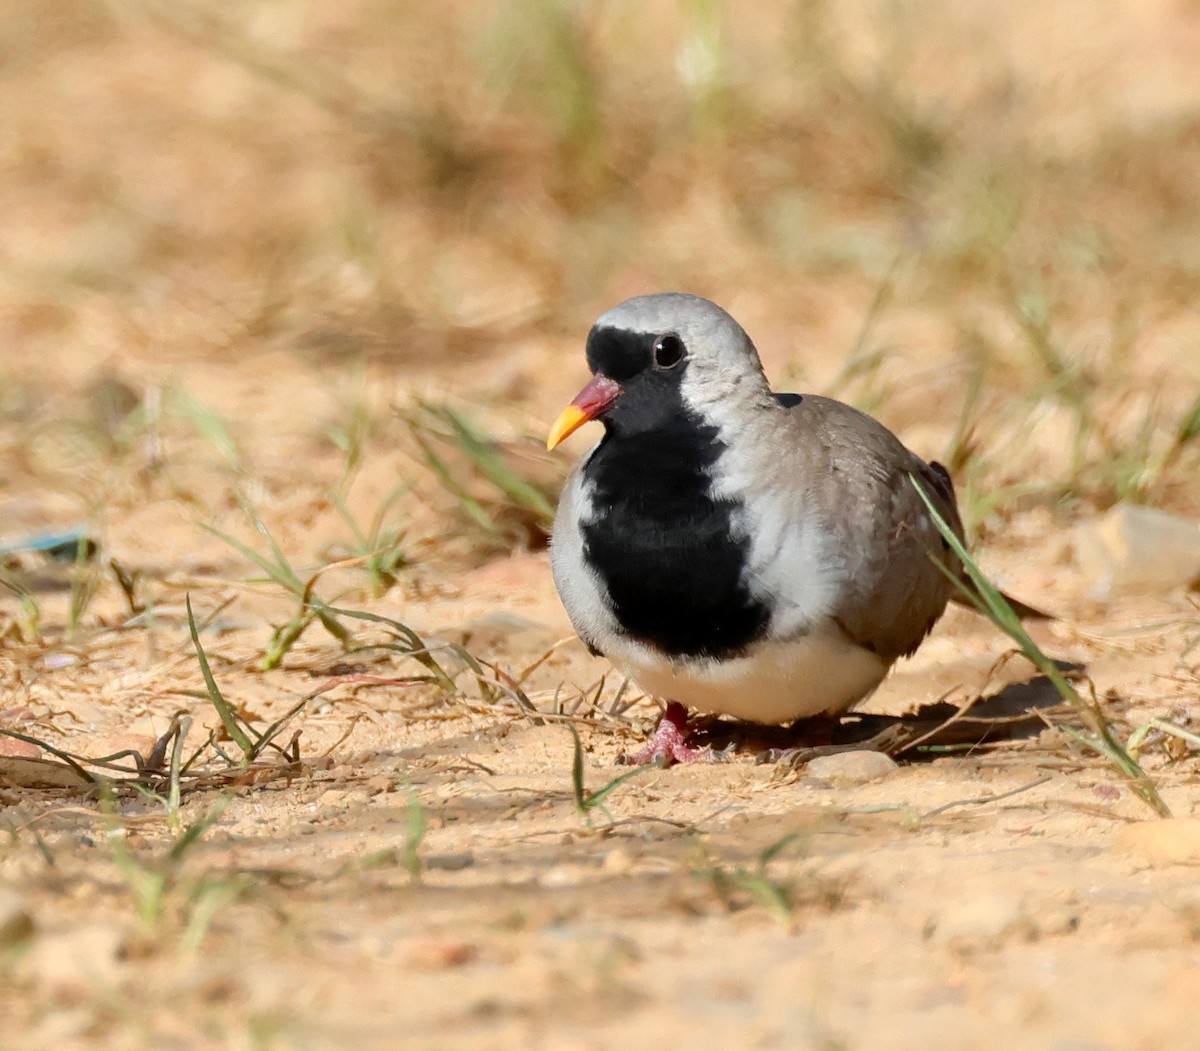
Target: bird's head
[(653, 357)]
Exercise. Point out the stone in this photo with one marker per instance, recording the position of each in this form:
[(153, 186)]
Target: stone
[(448, 862), (1185, 903), (1137, 549), (18, 749), (504, 631), (341, 798), (19, 772), (76, 960), (520, 572), (111, 744), (379, 784), (617, 862), (983, 922), (560, 876), (1168, 841), (334, 797), (16, 921), (852, 768), (435, 954), (111, 402)]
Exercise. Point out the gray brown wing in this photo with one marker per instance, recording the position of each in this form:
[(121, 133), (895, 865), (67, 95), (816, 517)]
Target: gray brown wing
[(894, 591)]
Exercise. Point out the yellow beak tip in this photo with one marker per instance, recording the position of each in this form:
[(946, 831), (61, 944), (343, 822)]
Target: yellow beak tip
[(568, 422)]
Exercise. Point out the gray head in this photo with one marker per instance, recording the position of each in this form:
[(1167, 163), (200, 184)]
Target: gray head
[(654, 358)]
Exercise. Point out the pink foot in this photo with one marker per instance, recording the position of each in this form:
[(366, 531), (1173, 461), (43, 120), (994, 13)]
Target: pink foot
[(669, 743)]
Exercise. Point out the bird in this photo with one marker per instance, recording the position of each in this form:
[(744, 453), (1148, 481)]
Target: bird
[(733, 550)]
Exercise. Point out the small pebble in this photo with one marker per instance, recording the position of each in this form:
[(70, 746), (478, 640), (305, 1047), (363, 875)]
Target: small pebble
[(111, 744), (1135, 548), (852, 768), (345, 798), (379, 784), (76, 960), (983, 922), (27, 772), (17, 749), (16, 922), (616, 862), (441, 955), (1185, 903), (498, 630), (1169, 841), (560, 876), (449, 862)]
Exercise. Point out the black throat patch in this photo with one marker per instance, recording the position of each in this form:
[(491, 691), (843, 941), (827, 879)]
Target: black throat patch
[(664, 548)]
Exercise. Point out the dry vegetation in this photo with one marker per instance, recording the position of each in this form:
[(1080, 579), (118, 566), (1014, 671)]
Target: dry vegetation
[(288, 293)]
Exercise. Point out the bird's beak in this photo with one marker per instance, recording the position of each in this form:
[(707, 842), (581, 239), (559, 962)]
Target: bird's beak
[(589, 403)]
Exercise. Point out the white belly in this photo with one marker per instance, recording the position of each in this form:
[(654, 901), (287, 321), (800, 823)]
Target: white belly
[(775, 683)]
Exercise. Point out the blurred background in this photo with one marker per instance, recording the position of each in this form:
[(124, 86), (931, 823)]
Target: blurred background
[(290, 292), (239, 238)]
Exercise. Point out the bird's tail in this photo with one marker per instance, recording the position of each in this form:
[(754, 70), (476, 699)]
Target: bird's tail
[(969, 595), (1021, 609)]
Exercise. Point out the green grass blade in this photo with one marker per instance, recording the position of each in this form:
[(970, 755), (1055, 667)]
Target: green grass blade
[(281, 560), (598, 796), (989, 601), (228, 717), (360, 539), (775, 849), (283, 576), (210, 426), (577, 772), (414, 835), (191, 835), (417, 648), (491, 463), (473, 508), (585, 801), (283, 639)]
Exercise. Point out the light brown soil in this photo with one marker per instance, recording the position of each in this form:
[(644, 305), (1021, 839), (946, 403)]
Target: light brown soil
[(1012, 896)]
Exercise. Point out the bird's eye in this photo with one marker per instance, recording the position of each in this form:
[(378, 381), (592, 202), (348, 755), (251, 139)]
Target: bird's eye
[(668, 352)]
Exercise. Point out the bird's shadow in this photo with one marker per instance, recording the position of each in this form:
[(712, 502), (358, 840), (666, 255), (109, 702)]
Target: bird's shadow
[(1017, 711)]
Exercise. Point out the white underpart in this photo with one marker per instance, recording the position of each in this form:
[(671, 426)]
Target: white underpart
[(775, 682), (583, 593)]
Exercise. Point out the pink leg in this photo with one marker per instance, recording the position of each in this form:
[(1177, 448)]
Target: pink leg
[(669, 743)]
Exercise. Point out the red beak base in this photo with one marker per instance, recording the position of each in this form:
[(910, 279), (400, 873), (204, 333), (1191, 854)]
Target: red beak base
[(591, 402)]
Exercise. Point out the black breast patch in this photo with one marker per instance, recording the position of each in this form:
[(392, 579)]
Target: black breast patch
[(664, 548)]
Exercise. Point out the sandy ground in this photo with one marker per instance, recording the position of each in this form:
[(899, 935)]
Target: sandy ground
[(903, 912), (229, 296)]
